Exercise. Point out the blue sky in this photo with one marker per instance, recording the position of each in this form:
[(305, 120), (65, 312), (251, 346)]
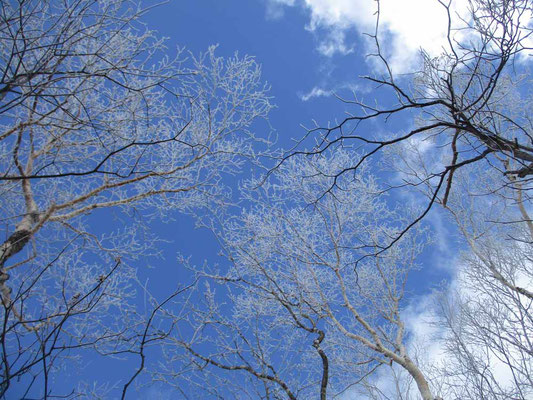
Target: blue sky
[(308, 50), (313, 54), (302, 78), (283, 44)]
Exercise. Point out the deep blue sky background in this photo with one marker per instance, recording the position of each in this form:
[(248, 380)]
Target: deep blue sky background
[(293, 67)]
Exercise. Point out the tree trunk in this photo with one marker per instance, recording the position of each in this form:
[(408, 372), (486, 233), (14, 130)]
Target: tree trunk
[(421, 382)]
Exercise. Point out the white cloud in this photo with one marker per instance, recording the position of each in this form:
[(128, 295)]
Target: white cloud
[(315, 92), (405, 25), (318, 91), (334, 42), (275, 8)]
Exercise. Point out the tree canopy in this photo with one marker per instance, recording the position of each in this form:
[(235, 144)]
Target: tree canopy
[(325, 285)]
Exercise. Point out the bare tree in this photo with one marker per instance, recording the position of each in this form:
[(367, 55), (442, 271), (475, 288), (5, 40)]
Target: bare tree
[(305, 319), (480, 323), (96, 115), (488, 337), (471, 102), (487, 315)]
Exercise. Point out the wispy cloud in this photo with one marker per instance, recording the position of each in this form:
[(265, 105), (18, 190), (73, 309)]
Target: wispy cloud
[(275, 8), (334, 42), (315, 92), (321, 91)]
